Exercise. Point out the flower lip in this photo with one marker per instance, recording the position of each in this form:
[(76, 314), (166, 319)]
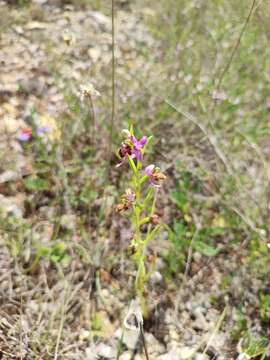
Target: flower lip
[(124, 150)]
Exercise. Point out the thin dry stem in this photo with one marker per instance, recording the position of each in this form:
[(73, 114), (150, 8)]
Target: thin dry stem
[(236, 47), (113, 78)]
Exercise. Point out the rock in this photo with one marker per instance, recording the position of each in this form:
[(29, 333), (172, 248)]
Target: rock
[(125, 356), (156, 278), (84, 334), (12, 205), (90, 355), (201, 324), (68, 221), (201, 357), (199, 311), (130, 338), (139, 357), (9, 175), (102, 350), (153, 345), (101, 19), (219, 341), (173, 354), (186, 352)]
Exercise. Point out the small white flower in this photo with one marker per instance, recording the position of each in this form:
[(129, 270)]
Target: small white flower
[(88, 90)]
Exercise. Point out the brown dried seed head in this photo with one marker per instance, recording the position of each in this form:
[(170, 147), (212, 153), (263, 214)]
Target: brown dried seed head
[(155, 219), (121, 207)]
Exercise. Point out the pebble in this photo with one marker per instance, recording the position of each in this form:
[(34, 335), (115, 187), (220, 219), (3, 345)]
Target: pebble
[(186, 352), (130, 338), (173, 354), (12, 206), (201, 357), (125, 356), (153, 345), (104, 351), (9, 175), (156, 278)]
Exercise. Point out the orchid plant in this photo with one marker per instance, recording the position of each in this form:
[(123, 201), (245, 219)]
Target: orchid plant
[(139, 202)]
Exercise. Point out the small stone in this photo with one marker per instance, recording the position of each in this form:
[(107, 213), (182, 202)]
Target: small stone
[(68, 221), (12, 205), (156, 278), (201, 357), (139, 357), (90, 355), (173, 354), (130, 338), (105, 351), (9, 175), (186, 352), (219, 341), (153, 345), (84, 334), (125, 356), (199, 311)]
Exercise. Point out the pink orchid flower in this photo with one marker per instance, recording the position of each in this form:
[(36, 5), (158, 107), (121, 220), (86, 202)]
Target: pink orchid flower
[(138, 146), (155, 175)]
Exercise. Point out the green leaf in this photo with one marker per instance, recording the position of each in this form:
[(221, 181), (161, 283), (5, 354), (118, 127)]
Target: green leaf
[(143, 179), (144, 221), (205, 249), (36, 184), (180, 199), (149, 196)]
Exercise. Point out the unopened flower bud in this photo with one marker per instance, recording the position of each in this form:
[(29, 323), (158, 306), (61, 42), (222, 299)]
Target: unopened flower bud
[(126, 133)]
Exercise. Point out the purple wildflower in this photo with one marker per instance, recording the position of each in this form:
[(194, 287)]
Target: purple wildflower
[(138, 146), (41, 131), (25, 135)]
